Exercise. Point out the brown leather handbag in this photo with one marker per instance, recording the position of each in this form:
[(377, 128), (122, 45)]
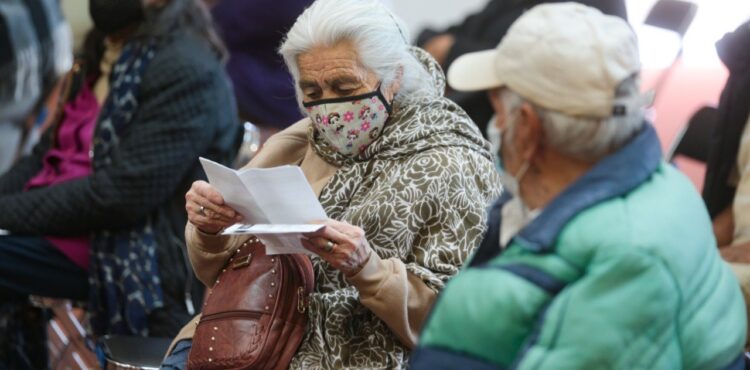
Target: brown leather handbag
[(254, 316)]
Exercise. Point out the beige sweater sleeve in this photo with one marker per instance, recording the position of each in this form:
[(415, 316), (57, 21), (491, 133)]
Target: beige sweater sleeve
[(741, 205), (400, 299), (209, 253)]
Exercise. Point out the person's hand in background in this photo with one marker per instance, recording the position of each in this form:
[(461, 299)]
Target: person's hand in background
[(439, 47), (739, 253), (723, 225)]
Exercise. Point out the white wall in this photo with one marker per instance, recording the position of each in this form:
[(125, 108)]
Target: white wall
[(419, 14), (77, 14), (714, 19)]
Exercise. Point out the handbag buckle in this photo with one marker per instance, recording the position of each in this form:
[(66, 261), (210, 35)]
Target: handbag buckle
[(301, 306), (242, 262)]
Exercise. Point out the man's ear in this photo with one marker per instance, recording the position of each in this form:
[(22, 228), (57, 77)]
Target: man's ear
[(529, 132), (497, 106), (494, 97)]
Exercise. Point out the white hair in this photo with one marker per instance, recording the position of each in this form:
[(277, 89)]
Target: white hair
[(585, 138), (379, 37)]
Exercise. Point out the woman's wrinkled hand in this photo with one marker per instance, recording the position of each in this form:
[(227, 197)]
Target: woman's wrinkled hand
[(342, 245), (206, 209)]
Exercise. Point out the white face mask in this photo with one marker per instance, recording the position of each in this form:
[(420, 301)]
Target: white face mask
[(350, 124), (515, 213), (516, 216), (494, 136)]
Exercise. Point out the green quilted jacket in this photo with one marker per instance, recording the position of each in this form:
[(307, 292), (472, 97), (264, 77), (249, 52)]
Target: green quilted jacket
[(620, 271)]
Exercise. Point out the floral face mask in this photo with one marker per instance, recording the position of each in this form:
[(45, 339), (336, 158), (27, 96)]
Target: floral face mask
[(352, 123)]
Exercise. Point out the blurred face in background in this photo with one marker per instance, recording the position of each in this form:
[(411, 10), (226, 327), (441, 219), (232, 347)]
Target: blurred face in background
[(113, 16)]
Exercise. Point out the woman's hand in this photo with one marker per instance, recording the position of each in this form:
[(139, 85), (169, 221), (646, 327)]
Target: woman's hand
[(439, 47), (206, 209), (342, 245)]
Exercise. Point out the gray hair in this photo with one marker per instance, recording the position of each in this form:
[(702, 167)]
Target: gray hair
[(585, 138), (379, 36)]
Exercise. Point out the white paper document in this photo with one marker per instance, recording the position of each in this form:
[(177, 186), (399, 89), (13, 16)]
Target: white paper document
[(263, 229), (277, 204)]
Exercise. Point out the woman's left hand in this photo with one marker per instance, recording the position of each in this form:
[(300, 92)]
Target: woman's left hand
[(342, 245)]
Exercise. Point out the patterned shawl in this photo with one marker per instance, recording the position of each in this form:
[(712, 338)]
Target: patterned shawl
[(123, 274), (420, 193)]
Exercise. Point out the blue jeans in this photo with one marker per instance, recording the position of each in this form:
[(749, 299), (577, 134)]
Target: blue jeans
[(177, 360)]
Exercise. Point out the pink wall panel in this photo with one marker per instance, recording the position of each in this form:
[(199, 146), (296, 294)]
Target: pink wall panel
[(686, 90)]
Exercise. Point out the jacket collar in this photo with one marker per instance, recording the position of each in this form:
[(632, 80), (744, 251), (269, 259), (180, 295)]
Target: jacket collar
[(614, 176)]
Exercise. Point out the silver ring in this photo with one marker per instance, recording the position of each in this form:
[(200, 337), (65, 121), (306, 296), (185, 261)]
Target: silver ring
[(329, 246), (202, 211)]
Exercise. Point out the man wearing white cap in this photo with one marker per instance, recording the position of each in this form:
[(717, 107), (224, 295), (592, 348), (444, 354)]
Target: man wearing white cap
[(598, 255)]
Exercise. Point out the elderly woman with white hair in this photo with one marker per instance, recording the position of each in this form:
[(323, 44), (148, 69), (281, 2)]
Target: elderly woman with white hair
[(401, 171)]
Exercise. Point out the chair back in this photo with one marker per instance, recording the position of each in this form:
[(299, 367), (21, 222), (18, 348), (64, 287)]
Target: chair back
[(673, 15), (694, 139), (68, 342)]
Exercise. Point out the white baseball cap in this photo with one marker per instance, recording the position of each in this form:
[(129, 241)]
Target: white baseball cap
[(566, 57)]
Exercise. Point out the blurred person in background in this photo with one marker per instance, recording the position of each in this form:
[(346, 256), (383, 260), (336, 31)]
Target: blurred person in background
[(599, 255), (65, 157), (401, 171), (35, 51), (97, 210), (484, 30), (252, 32), (726, 189)]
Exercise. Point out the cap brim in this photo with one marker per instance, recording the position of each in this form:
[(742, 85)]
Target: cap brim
[(474, 72)]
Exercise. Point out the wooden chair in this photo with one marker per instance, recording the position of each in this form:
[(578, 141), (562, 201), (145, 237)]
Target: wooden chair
[(70, 346)]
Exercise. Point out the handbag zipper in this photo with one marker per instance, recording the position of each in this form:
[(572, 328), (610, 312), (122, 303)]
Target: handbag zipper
[(232, 315)]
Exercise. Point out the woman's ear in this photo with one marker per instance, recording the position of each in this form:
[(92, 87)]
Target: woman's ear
[(395, 84)]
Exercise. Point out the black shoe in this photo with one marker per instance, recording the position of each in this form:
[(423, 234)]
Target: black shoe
[(23, 345)]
